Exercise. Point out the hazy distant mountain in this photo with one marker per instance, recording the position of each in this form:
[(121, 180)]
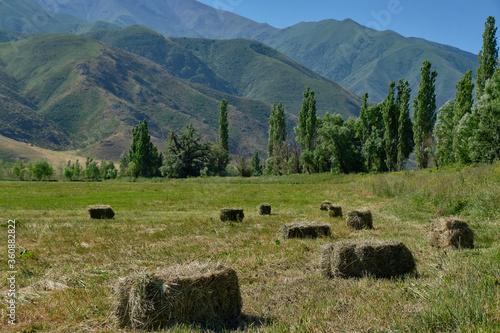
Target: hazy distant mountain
[(242, 67), (365, 60), (30, 17), (65, 91), (173, 18)]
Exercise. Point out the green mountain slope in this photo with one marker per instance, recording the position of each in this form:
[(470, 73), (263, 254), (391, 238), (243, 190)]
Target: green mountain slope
[(239, 66), (173, 18), (96, 94), (259, 72), (365, 60), (154, 46)]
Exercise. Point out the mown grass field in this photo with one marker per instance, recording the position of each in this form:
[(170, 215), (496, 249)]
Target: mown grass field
[(71, 263)]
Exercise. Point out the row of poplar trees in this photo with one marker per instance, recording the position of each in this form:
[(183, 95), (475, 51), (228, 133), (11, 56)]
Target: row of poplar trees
[(384, 135), (467, 130)]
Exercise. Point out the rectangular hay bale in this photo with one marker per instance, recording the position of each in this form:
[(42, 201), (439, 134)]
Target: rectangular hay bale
[(305, 230), (359, 259), (450, 233), (360, 219), (195, 293), (100, 212)]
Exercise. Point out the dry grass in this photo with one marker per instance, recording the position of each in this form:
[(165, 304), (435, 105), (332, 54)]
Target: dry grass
[(29, 152)]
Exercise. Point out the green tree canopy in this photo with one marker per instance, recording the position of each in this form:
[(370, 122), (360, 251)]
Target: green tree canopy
[(185, 155), (488, 56), (223, 126), (390, 113), (487, 136), (144, 159), (405, 126), (306, 130), (424, 113), (41, 169)]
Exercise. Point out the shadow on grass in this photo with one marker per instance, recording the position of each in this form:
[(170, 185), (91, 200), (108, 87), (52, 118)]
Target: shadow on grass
[(243, 322)]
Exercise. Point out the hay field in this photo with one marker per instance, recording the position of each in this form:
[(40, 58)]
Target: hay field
[(68, 264)]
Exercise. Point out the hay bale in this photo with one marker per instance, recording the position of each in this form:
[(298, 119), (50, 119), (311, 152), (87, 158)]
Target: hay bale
[(334, 210), (265, 209), (100, 212), (360, 219), (325, 205), (358, 259), (229, 214), (305, 230), (451, 233), (184, 294)]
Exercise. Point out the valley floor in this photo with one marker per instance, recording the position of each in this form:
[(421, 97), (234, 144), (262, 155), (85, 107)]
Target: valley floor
[(68, 264)]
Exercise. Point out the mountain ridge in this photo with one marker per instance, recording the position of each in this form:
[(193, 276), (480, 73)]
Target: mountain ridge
[(108, 91)]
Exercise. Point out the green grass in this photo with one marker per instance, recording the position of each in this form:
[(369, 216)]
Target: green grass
[(65, 277)]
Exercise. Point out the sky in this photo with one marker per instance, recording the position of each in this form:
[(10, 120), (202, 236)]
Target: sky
[(458, 23)]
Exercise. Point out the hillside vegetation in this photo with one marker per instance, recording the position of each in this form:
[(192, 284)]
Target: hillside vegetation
[(365, 60), (93, 94), (241, 67), (70, 264)]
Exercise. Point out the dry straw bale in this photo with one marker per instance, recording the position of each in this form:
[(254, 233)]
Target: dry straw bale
[(325, 205), (335, 210), (265, 209), (360, 219), (451, 233), (195, 293), (357, 259), (306, 230), (229, 214), (100, 212)]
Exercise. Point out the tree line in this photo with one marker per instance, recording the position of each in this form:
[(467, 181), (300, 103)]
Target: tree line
[(384, 136)]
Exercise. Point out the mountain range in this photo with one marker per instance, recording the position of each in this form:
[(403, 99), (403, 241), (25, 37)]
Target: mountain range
[(359, 58), (172, 61)]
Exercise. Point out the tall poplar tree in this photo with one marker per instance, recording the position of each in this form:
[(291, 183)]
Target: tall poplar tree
[(424, 113), (277, 147), (145, 161), (223, 126), (444, 132), (464, 99), (306, 130), (405, 130), (488, 56), (277, 128), (487, 136), (391, 116), (362, 126), (462, 106), (220, 152)]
